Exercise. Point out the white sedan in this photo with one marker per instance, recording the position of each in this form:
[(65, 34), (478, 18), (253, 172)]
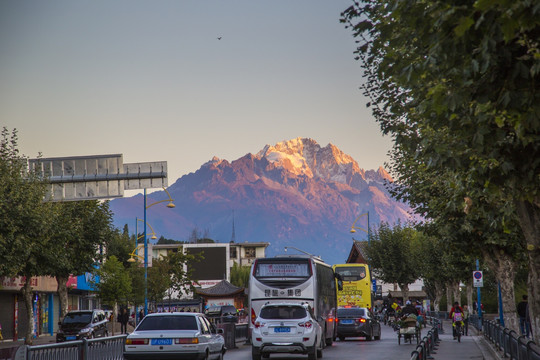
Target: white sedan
[(175, 336)]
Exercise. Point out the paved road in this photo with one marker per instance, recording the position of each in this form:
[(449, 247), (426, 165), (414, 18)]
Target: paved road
[(350, 349)]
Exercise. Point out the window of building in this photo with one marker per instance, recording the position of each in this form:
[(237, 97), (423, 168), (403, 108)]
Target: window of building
[(250, 252), (233, 253)]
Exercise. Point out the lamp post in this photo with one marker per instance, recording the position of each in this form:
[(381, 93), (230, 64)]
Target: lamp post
[(354, 227), (170, 205)]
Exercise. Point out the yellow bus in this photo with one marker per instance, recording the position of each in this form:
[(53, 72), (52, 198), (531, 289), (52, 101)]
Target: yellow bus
[(356, 285)]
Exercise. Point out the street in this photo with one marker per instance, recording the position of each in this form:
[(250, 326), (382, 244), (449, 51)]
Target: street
[(350, 349)]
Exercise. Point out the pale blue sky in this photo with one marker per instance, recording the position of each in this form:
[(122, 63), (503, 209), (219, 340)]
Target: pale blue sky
[(150, 79)]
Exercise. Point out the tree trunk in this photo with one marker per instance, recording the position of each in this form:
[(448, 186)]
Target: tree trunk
[(529, 219), (27, 296), (456, 293), (469, 294), (449, 300), (504, 267), (405, 292), (115, 314), (439, 293), (62, 295)]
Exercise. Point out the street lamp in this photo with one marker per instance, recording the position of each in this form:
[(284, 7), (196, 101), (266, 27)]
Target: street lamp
[(354, 227), (170, 205)]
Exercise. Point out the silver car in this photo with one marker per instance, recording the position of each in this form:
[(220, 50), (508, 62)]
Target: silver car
[(175, 336)]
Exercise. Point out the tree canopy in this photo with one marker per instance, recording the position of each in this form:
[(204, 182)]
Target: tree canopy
[(456, 85)]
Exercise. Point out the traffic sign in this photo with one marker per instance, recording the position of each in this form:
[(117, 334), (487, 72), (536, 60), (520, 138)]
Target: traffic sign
[(478, 279)]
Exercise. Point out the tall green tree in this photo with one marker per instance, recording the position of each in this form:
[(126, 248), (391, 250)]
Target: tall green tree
[(460, 82), (113, 284), (240, 275), (159, 280), (25, 231), (81, 230), (393, 255)]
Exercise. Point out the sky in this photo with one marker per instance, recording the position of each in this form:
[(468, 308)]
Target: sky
[(182, 80)]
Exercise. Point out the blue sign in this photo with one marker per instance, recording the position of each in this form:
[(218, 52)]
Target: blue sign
[(374, 285)]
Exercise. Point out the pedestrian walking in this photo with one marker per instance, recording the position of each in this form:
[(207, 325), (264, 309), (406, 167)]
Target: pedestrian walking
[(123, 319), (522, 313), (466, 314)]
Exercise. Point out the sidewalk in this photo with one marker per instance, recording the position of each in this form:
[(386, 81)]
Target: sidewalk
[(473, 347)]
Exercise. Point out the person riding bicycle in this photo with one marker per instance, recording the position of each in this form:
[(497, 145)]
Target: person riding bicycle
[(456, 314)]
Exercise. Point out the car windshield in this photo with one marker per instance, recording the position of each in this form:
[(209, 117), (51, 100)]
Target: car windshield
[(168, 323), (78, 318), (283, 312), (213, 310), (351, 312)]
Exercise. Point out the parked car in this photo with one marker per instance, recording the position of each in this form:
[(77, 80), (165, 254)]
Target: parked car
[(82, 324), (286, 328), (354, 322), (177, 335), (222, 313)]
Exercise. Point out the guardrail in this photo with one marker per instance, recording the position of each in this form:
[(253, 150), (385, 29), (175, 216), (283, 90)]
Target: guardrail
[(429, 343), (508, 342), (109, 348)]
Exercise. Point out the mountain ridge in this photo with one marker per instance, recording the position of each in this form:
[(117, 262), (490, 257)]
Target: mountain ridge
[(293, 193)]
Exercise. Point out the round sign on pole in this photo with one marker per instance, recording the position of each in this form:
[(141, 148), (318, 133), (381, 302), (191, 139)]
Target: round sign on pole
[(478, 280)]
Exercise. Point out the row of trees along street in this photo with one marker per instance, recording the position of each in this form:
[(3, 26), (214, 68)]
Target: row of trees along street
[(60, 239), (457, 87), (402, 254)]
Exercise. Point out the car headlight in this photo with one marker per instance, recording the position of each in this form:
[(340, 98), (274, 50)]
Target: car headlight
[(85, 331)]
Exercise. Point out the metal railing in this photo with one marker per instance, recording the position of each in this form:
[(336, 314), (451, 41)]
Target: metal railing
[(110, 348), (508, 342), (428, 344)]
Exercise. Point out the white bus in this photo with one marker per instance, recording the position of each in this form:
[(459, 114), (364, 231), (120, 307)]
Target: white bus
[(302, 279)]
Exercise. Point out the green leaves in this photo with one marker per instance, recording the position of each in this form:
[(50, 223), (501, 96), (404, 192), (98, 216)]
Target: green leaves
[(465, 22)]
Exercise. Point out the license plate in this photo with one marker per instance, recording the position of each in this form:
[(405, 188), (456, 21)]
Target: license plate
[(71, 338), (282, 329), (161, 342), (346, 322)]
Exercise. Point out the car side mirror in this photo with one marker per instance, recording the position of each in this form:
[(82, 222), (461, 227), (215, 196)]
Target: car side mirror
[(340, 284), (220, 331)]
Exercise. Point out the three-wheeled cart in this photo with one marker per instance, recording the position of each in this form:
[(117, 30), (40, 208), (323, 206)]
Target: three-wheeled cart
[(409, 329)]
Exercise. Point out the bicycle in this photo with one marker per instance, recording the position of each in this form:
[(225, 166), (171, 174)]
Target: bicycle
[(458, 329)]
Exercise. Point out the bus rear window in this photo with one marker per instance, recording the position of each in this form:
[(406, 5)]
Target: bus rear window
[(282, 269), (353, 273)]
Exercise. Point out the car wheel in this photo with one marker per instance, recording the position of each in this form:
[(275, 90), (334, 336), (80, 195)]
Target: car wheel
[(255, 353), (378, 336), (312, 353), (220, 356), (206, 356), (370, 336)]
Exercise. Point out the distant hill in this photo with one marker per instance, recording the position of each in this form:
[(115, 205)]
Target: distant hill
[(294, 193)]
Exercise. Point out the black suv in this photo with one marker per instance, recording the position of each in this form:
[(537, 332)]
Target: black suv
[(222, 313), (82, 324)]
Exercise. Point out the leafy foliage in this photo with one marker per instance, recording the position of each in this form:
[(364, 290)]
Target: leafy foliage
[(240, 275), (393, 255), (112, 282), (25, 229)]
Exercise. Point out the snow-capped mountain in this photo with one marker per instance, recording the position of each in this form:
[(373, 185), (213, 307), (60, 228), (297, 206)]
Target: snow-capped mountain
[(294, 193)]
